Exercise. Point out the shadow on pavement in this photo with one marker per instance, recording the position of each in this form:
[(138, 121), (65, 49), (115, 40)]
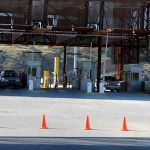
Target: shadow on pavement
[(69, 93), (74, 143)]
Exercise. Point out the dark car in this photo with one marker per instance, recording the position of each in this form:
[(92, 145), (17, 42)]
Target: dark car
[(9, 78), (112, 84)]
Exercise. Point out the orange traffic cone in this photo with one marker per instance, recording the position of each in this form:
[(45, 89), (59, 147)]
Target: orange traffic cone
[(124, 125), (43, 124), (87, 124)]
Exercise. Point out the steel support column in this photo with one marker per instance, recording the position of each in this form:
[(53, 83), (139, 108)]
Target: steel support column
[(64, 63), (75, 61), (45, 12), (148, 17), (99, 63), (138, 50), (147, 56), (101, 16), (99, 40), (142, 15), (29, 16), (39, 12), (86, 13)]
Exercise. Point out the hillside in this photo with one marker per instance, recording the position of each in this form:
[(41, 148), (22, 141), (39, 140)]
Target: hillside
[(13, 57)]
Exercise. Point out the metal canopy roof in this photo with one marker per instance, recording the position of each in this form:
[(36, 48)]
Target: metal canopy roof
[(71, 29)]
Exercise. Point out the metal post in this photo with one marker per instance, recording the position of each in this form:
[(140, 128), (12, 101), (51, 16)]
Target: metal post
[(64, 67), (90, 71), (75, 61), (105, 56), (101, 21), (138, 50), (147, 48), (99, 63), (12, 23), (45, 12), (29, 12), (32, 58), (86, 13), (147, 20), (142, 15)]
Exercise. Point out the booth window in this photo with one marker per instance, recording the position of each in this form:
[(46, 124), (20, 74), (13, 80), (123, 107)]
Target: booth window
[(136, 76), (33, 71)]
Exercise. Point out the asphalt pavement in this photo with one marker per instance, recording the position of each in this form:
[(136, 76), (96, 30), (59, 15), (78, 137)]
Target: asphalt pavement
[(21, 114), (74, 143)]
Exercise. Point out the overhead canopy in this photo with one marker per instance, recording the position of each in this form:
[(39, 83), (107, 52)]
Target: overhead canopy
[(73, 22)]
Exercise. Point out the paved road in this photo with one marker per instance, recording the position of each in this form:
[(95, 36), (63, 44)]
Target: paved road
[(53, 143), (69, 93), (21, 112)]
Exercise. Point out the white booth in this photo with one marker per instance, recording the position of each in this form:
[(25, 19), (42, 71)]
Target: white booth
[(33, 69), (133, 77), (88, 76)]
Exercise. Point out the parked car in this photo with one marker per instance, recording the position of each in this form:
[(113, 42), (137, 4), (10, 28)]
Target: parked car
[(9, 78), (111, 83)]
